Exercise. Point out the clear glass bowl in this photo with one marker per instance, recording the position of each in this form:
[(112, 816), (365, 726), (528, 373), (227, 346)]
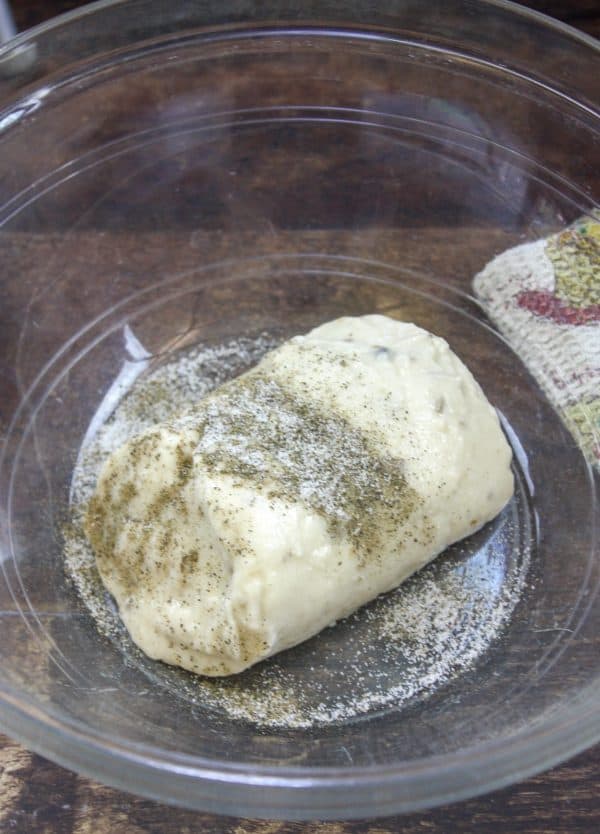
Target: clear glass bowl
[(187, 175)]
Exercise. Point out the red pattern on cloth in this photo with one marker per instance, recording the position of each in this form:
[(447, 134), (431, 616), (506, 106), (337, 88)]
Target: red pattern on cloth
[(545, 303)]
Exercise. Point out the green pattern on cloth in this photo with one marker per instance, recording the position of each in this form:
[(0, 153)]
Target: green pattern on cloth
[(583, 420), (575, 256)]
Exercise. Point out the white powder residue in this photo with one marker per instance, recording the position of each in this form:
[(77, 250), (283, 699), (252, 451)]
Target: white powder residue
[(404, 645)]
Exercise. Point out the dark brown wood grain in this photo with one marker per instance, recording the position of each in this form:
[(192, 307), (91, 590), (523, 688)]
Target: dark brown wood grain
[(38, 797)]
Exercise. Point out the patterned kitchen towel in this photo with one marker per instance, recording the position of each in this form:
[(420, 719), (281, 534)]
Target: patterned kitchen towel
[(545, 299)]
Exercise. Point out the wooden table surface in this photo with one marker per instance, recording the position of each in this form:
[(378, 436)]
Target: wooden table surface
[(38, 796)]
